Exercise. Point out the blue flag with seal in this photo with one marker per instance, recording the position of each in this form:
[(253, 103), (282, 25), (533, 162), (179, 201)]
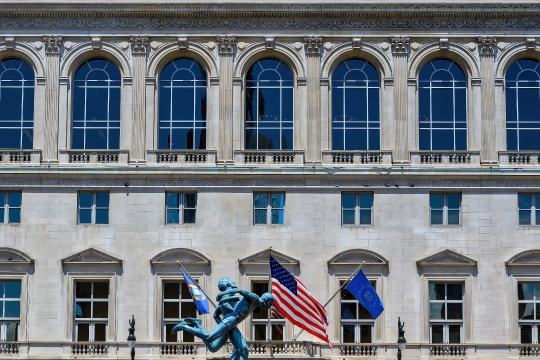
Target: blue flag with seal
[(199, 297), (363, 291)]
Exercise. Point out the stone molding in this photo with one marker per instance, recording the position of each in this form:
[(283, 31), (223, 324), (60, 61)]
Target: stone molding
[(139, 44), (527, 258), (486, 45), (52, 44), (9, 256), (91, 256), (459, 52), (80, 52), (226, 44), (357, 257), (447, 258), (183, 255), (262, 258), (400, 44)]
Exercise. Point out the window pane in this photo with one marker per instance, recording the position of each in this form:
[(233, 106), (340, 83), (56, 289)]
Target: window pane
[(2, 214), (348, 333), (85, 199), (260, 313), (82, 309), (365, 217), (173, 216), (190, 200), (83, 290), (101, 290), (171, 290), (436, 217), (437, 334), (363, 313), (277, 216), (455, 311), (525, 291), (454, 334), (365, 334), (85, 216), (83, 332), (100, 332), (260, 332), (347, 201), (524, 217), (453, 217), (346, 295), (525, 334), (184, 291), (260, 216), (14, 216), (13, 289), (12, 331), (15, 198), (365, 201), (437, 311), (13, 309), (260, 200), (453, 201), (189, 216), (348, 217), (102, 216), (171, 310), (436, 201), (101, 310), (277, 332), (526, 311), (524, 201), (454, 291), (348, 310), (168, 336), (436, 291), (259, 288), (278, 200), (172, 200), (102, 199), (188, 310)]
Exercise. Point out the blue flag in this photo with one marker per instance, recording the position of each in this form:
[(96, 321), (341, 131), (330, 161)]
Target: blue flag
[(363, 291), (199, 297)]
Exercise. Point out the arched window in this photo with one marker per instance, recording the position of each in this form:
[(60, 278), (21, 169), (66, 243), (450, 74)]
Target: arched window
[(355, 106), (523, 105), (269, 106), (442, 91), (96, 106), (182, 105), (16, 104)]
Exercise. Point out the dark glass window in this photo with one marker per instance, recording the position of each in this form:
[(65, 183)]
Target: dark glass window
[(93, 208), (528, 312), (91, 310), (529, 209), (10, 207), (10, 309), (523, 105), (446, 312), (260, 321), (355, 106), (96, 106), (269, 208), (445, 208), (442, 92), (356, 322), (269, 106), (181, 208), (177, 305), (182, 105), (16, 104), (356, 208)]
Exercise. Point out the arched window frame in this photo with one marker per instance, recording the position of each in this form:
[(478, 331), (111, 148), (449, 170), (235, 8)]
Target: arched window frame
[(111, 123), (198, 126), (370, 124), (512, 105), (429, 124), (24, 124), (285, 125)]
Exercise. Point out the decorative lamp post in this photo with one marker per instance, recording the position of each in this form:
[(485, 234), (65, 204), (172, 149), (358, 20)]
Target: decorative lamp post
[(401, 342), (131, 337)]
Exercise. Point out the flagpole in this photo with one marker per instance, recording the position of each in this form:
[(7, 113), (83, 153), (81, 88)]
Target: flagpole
[(333, 296), (269, 312), (209, 300)]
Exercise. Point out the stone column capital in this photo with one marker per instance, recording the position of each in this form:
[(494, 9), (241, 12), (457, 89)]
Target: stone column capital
[(486, 45), (138, 44), (52, 44), (313, 45), (226, 44), (400, 44)]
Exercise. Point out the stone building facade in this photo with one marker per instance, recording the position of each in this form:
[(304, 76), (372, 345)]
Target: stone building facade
[(91, 233)]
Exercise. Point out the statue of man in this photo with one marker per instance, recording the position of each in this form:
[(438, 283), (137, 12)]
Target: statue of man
[(230, 320)]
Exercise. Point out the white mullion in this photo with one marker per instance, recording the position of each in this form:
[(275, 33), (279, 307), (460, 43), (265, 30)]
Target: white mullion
[(367, 113), (194, 110), (454, 108), (357, 214), (171, 115), (84, 114), (22, 112), (344, 113), (181, 210), (517, 114), (108, 105), (268, 209)]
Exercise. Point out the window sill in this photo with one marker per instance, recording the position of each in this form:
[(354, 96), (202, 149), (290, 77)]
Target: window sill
[(351, 226)]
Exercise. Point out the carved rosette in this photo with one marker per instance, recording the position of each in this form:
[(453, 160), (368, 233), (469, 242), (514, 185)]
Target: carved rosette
[(52, 44), (486, 45), (138, 44), (400, 44), (226, 44), (313, 45)]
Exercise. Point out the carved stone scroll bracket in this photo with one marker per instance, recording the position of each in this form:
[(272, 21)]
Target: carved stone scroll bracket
[(183, 43), (301, 81), (214, 81), (10, 43), (486, 45), (499, 82), (443, 44), (400, 44), (96, 43), (388, 81), (476, 81), (52, 43), (356, 43), (530, 43), (238, 81), (325, 82), (313, 45), (269, 43), (139, 44), (226, 44)]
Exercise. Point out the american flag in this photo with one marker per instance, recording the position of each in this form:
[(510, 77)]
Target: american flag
[(294, 301)]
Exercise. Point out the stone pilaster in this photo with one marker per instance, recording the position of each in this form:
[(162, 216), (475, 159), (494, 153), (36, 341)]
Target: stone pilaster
[(486, 48), (52, 67), (139, 46), (400, 53), (313, 79), (226, 52)]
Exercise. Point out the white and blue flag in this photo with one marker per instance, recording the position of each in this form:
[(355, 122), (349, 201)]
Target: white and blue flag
[(363, 291)]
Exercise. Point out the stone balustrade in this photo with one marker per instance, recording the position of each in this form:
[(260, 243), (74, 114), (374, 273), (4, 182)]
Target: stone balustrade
[(181, 157), (445, 158), (101, 157), (357, 349), (357, 157), (20, 157), (269, 157), (519, 158), (179, 348), (9, 348), (90, 348), (446, 350)]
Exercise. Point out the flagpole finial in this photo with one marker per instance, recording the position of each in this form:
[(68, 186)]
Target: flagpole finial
[(178, 262), (270, 246)]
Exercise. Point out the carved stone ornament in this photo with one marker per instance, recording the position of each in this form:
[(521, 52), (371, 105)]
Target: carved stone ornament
[(530, 43), (313, 45), (96, 43), (226, 44), (183, 43), (138, 44), (269, 43), (400, 44), (356, 43), (487, 44), (10, 43), (325, 82), (443, 44), (52, 43), (388, 81), (476, 81), (301, 81)]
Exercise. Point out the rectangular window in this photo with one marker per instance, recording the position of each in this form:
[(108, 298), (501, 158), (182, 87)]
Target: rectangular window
[(10, 309), (356, 209), (268, 208), (528, 312), (10, 207), (177, 305), (181, 208), (445, 208), (91, 310), (260, 318), (356, 322), (93, 207), (529, 209), (446, 311)]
